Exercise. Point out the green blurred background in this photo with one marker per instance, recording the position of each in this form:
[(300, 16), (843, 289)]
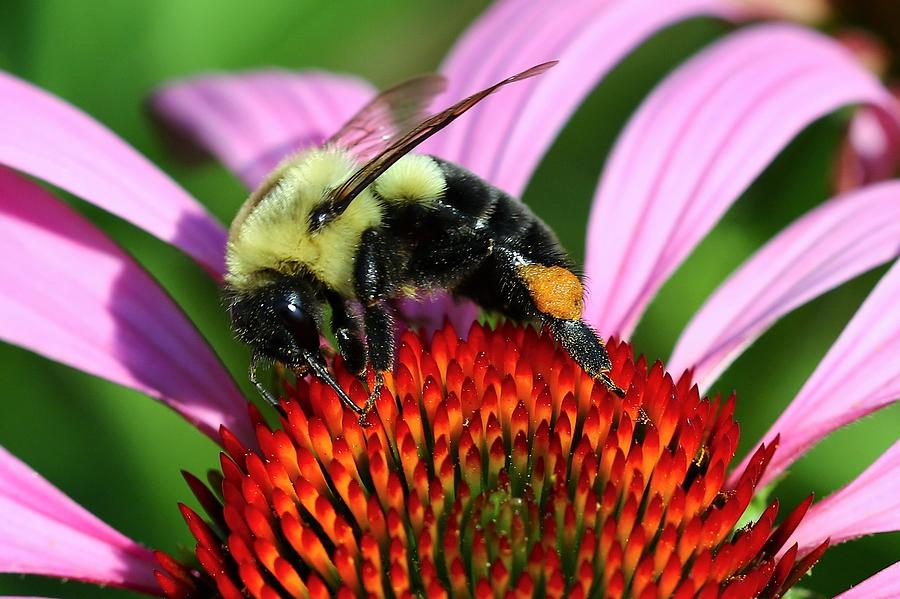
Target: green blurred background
[(119, 454)]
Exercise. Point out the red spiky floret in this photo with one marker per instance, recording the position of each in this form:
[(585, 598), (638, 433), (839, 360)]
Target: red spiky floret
[(492, 467)]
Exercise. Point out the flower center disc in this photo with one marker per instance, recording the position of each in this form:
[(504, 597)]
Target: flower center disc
[(492, 467)]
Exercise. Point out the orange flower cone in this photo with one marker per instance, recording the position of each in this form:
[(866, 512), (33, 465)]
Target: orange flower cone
[(492, 467)]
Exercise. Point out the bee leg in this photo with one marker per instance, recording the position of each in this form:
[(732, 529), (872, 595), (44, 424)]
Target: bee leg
[(584, 345), (557, 295), (530, 289), (322, 373), (373, 281), (604, 378), (376, 393), (346, 332), (380, 339)]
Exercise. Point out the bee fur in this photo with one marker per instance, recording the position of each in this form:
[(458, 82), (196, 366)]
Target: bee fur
[(275, 236)]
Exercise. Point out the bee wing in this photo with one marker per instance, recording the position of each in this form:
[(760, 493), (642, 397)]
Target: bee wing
[(341, 196), (388, 116)]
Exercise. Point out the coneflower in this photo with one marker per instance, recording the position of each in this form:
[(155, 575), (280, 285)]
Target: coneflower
[(493, 467)]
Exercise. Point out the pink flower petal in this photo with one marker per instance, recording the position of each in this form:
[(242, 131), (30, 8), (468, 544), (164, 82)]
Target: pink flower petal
[(21, 484), (696, 144), (504, 138), (868, 505), (42, 531), (69, 293), (858, 375), (883, 585), (45, 137), (870, 153), (833, 243), (251, 121)]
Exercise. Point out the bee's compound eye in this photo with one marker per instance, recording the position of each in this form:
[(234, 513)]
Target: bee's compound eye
[(300, 324), (290, 311)]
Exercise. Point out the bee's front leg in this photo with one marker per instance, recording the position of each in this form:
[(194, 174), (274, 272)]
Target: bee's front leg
[(374, 394), (380, 339), (346, 332), (373, 283)]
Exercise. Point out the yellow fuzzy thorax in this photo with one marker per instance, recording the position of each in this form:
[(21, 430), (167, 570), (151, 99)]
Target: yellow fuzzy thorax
[(271, 231), (413, 178), (275, 236)]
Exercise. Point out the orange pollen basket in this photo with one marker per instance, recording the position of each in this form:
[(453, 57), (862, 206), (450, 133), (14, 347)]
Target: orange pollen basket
[(554, 289), (492, 467)]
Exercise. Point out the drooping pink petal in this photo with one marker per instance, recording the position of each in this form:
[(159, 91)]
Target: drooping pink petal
[(831, 244), (696, 144), (504, 138), (858, 375), (871, 151), (868, 505), (883, 585), (69, 293), (21, 484), (42, 531), (49, 139), (251, 121)]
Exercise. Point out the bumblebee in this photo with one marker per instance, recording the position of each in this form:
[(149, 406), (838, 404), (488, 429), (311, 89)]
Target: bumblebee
[(360, 221)]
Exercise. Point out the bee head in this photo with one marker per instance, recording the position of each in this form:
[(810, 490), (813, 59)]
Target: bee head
[(279, 320)]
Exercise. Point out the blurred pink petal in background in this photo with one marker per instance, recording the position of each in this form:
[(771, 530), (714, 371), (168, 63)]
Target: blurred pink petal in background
[(251, 121)]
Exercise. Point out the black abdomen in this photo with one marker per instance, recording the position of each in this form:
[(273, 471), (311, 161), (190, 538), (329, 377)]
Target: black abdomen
[(511, 223), (469, 241), (517, 237)]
